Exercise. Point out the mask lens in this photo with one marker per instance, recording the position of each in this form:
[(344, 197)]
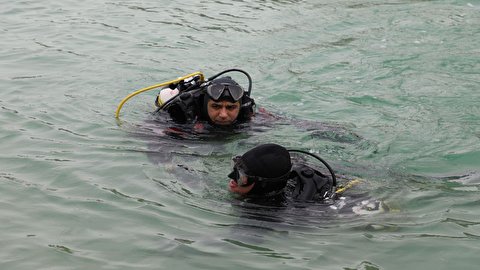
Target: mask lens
[(235, 91), (215, 91), (234, 175), (238, 174)]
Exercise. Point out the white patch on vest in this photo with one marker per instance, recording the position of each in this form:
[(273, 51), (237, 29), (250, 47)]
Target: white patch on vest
[(368, 207)]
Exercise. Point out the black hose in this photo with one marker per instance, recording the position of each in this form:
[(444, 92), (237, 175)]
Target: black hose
[(334, 178), (238, 70)]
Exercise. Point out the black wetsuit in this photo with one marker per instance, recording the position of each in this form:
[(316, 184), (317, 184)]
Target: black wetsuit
[(304, 185)]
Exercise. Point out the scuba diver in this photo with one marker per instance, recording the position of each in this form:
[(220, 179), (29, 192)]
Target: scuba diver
[(197, 105), (220, 101), (268, 175), (264, 171)]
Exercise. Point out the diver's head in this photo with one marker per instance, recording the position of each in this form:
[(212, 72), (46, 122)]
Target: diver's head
[(222, 101), (222, 113), (262, 171)]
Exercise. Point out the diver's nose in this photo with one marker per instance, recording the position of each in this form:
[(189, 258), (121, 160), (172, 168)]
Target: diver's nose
[(223, 113)]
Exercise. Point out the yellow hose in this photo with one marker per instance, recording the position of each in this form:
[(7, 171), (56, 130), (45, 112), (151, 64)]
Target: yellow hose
[(117, 112), (347, 186)]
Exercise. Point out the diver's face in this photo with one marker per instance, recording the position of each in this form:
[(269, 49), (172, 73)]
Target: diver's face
[(223, 112), (234, 187)]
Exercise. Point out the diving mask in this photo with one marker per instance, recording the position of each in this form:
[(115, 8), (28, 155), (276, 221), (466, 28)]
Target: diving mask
[(216, 90)]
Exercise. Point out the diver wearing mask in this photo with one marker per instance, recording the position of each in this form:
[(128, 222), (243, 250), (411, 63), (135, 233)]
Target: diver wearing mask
[(264, 172), (220, 101)]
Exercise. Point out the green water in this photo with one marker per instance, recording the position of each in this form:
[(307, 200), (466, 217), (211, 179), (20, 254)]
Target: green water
[(396, 82)]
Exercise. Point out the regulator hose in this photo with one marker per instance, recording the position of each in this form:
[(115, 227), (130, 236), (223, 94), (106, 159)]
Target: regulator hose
[(334, 178)]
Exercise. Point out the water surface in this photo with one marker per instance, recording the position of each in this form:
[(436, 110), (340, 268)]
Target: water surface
[(383, 90)]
